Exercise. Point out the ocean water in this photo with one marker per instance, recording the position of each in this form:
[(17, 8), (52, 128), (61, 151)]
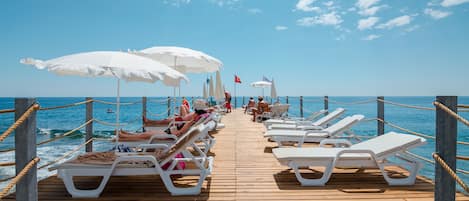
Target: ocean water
[(52, 123)]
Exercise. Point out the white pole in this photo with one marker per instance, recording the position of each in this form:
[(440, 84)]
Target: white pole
[(117, 110)]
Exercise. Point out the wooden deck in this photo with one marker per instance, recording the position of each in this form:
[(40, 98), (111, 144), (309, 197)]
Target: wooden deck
[(245, 169)]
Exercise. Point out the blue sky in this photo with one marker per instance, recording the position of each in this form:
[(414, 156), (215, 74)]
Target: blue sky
[(310, 47)]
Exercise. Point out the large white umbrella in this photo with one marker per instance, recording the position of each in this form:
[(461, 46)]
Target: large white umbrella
[(273, 91), (219, 89), (261, 84), (125, 66), (182, 59)]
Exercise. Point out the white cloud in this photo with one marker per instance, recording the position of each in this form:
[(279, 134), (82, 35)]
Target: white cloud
[(367, 23), (396, 22), (341, 37), (412, 28), (228, 3), (280, 28), (370, 11), (254, 11), (371, 37), (351, 9), (325, 19), (364, 4), (436, 14), (307, 6), (448, 3)]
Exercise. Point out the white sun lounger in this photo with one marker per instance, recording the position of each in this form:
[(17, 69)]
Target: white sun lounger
[(309, 125), (294, 120), (126, 164), (300, 136), (372, 153)]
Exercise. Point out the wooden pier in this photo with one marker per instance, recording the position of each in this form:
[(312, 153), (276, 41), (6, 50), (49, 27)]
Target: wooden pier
[(245, 169)]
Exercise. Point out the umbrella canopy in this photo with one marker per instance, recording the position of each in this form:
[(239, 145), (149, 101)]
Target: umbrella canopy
[(261, 84), (211, 91), (121, 65), (219, 89), (205, 95), (273, 91), (182, 59)]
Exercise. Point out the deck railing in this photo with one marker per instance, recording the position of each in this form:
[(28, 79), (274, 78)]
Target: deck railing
[(26, 161)]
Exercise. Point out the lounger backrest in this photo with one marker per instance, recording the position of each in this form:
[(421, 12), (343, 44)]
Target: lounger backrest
[(344, 124), (390, 143), (183, 142), (329, 117)]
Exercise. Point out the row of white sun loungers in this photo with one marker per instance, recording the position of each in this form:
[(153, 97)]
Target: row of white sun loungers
[(159, 155), (373, 153)]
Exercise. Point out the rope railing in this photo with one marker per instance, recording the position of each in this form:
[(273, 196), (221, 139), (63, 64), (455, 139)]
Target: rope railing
[(66, 134), (18, 122), (7, 111), (463, 106), (115, 124), (65, 155), (113, 103), (450, 171), (66, 106), (428, 160), (6, 164), (163, 113), (312, 100), (451, 113), (159, 101), (406, 105), (352, 103), (18, 177)]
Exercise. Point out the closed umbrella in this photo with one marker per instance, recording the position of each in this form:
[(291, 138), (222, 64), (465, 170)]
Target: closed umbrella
[(273, 91), (125, 66), (219, 89), (205, 95)]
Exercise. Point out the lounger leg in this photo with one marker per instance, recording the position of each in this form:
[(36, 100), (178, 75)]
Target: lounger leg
[(313, 182), (67, 177), (409, 180), (195, 190)]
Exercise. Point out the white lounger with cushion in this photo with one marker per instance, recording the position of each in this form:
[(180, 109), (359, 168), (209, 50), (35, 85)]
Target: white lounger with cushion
[(143, 163), (309, 125), (299, 136), (372, 153)]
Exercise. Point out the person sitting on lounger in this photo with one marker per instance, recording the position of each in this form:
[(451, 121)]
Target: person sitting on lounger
[(262, 107), (177, 130), (251, 104)]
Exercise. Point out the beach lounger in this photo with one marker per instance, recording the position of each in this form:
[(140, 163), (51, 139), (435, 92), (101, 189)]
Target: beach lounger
[(309, 125), (372, 153), (142, 163), (294, 120), (301, 136)]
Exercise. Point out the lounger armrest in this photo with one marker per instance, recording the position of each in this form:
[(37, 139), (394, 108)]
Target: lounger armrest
[(335, 143), (152, 146), (356, 151), (163, 136)]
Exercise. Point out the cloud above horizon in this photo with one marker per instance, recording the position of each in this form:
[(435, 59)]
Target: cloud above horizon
[(327, 19)]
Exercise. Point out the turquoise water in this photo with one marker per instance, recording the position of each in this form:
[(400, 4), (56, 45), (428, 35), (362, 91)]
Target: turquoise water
[(56, 122)]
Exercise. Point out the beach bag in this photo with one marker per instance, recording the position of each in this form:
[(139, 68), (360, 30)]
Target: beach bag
[(180, 166)]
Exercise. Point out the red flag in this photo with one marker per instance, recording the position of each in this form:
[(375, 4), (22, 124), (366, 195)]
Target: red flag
[(237, 79)]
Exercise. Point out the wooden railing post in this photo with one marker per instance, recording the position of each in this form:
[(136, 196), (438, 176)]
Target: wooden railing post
[(445, 147), (286, 99), (301, 106), (326, 104), (380, 115), (235, 102), (89, 127), (243, 101), (25, 144), (144, 106), (169, 106)]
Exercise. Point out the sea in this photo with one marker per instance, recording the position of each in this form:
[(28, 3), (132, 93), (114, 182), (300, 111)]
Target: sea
[(54, 123)]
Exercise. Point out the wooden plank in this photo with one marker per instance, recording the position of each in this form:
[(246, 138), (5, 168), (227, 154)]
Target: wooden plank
[(380, 112), (89, 127)]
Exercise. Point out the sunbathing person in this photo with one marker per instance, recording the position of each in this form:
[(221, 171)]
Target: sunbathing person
[(251, 104), (178, 130), (262, 107), (184, 115)]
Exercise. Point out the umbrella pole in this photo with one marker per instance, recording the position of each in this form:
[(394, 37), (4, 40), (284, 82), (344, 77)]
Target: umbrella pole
[(117, 110)]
